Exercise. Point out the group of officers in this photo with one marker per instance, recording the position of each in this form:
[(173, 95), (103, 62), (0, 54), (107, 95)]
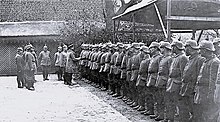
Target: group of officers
[(27, 63), (177, 81)]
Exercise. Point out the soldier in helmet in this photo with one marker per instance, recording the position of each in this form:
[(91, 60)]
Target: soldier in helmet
[(111, 72), (162, 78), (107, 66), (117, 71), (123, 72), (103, 74), (93, 63), (174, 82), (152, 77), (82, 61), (88, 62), (135, 65), (142, 78), (97, 68), (128, 88), (189, 79), (206, 84)]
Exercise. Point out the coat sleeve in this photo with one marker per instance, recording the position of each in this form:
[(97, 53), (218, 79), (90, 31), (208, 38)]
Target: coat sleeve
[(73, 57), (213, 79), (183, 63), (55, 57), (123, 63), (40, 57), (29, 61)]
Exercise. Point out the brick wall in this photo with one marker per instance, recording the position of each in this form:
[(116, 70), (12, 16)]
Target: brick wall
[(46, 10)]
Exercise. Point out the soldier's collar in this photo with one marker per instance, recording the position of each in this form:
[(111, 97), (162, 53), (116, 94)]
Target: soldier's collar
[(181, 53), (156, 55), (193, 55)]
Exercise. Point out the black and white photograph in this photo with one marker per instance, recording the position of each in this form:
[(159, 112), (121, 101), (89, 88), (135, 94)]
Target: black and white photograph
[(109, 60)]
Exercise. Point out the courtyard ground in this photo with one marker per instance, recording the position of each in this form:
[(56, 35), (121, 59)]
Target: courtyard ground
[(52, 101)]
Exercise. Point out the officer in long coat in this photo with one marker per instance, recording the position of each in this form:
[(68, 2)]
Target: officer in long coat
[(162, 78), (29, 68), (45, 61), (175, 78), (206, 84), (20, 67), (189, 79), (71, 65), (152, 77)]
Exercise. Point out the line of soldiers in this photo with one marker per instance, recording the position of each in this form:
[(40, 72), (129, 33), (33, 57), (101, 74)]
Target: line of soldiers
[(164, 81)]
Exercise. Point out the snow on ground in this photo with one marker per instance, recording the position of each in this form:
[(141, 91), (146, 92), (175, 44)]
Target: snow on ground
[(52, 101)]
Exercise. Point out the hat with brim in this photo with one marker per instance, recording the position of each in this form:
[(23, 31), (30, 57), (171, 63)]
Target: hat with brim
[(135, 46), (216, 41), (120, 45), (28, 47), (70, 46), (145, 49), (192, 43), (154, 45), (19, 49), (165, 45), (178, 44), (207, 45)]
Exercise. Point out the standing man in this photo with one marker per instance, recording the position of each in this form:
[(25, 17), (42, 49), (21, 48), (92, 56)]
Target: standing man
[(189, 79), (57, 60), (206, 85), (103, 75), (35, 57), (123, 72), (111, 71), (29, 68), (45, 62), (175, 78), (130, 54), (135, 65), (20, 67), (71, 65), (152, 77), (162, 78), (117, 70), (63, 62), (107, 66), (142, 78)]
